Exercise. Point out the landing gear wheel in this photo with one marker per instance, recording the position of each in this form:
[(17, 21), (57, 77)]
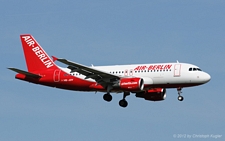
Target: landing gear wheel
[(180, 98), (107, 97), (123, 103)]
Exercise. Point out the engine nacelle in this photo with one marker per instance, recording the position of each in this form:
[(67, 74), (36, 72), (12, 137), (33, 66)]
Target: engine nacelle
[(131, 84), (156, 94)]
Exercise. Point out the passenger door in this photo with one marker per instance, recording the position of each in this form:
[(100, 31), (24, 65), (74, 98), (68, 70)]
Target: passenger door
[(177, 70)]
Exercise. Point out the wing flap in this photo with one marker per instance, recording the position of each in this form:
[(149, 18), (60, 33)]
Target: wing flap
[(25, 73)]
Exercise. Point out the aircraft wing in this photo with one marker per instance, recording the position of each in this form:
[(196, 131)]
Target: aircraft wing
[(99, 76)]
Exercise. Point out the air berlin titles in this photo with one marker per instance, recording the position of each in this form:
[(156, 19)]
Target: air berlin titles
[(153, 67), (38, 51), (128, 83)]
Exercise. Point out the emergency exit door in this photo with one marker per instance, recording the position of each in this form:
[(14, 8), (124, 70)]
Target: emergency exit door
[(56, 76)]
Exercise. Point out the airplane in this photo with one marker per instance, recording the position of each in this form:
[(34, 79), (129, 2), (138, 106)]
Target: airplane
[(147, 81)]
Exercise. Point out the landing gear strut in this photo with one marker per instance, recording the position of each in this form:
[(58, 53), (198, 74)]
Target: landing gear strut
[(180, 98), (123, 103)]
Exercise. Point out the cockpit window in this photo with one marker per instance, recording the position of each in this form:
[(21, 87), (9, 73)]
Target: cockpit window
[(195, 69)]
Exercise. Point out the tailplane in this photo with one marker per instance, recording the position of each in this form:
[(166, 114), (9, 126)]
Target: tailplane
[(25, 73), (36, 57)]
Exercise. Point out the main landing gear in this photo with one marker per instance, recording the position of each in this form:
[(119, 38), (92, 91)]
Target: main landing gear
[(107, 97), (123, 103), (180, 98)]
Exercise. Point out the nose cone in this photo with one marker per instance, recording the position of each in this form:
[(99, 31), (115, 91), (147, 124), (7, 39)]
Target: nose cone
[(206, 77)]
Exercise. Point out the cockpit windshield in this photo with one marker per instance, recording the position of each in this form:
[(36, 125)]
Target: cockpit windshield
[(195, 69)]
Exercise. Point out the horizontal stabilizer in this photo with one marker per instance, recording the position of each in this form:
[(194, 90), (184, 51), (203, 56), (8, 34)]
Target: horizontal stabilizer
[(25, 73)]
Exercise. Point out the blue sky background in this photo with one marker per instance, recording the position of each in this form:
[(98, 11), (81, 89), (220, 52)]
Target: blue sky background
[(108, 33)]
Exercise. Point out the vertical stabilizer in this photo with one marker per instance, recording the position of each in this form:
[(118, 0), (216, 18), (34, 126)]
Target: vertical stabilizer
[(36, 57)]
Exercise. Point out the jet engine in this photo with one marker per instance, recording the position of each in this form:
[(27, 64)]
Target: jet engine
[(156, 94), (131, 84)]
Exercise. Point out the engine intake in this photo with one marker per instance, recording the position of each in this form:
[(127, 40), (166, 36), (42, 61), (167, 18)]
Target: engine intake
[(156, 94)]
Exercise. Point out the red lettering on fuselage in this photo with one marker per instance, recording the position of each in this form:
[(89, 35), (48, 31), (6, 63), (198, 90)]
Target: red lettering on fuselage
[(153, 67), (140, 68)]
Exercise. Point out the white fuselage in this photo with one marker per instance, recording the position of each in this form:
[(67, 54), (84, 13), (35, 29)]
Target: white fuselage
[(168, 75)]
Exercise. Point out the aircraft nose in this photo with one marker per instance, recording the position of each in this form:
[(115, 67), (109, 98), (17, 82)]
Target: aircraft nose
[(206, 77)]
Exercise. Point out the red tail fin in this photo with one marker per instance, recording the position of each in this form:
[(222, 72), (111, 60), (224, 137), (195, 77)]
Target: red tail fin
[(36, 57)]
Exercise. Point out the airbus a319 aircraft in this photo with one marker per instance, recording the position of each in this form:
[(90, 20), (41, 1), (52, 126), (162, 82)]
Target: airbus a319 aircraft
[(147, 81)]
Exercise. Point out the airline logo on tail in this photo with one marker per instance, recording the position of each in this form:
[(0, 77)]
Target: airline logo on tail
[(38, 51)]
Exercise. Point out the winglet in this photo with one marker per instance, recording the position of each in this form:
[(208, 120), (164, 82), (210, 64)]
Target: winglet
[(54, 58)]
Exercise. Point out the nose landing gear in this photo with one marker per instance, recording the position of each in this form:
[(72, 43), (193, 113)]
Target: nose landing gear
[(180, 98)]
